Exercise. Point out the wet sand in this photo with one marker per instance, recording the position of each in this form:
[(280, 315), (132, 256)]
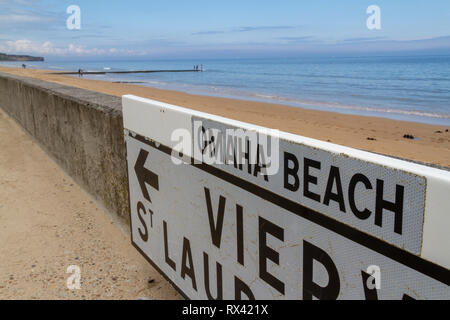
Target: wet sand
[(367, 133)]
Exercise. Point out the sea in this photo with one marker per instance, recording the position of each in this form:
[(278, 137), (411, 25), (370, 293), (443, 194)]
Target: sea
[(411, 88)]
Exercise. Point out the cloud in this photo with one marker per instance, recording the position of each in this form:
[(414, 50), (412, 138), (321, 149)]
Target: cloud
[(26, 46), (443, 41), (47, 48), (363, 39), (298, 39), (19, 2), (206, 33), (27, 15), (259, 28), (22, 18), (243, 29)]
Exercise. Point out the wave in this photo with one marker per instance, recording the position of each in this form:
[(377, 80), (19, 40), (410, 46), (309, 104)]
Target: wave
[(392, 100), (336, 105), (223, 91)]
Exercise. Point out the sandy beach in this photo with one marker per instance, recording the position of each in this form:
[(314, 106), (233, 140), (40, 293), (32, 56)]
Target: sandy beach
[(50, 223), (432, 143)]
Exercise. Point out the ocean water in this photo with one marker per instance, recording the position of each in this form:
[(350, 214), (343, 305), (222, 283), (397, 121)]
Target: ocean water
[(413, 88)]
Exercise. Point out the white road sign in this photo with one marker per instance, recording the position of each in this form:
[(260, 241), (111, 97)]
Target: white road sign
[(228, 210)]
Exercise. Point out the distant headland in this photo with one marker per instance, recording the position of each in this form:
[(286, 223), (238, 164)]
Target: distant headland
[(13, 57)]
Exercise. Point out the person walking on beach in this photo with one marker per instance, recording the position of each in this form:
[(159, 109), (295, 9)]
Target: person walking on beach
[(80, 73)]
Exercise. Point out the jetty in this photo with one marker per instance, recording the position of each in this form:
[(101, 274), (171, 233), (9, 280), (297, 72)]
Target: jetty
[(123, 72)]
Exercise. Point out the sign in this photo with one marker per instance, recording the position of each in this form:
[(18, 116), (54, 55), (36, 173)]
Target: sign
[(227, 210)]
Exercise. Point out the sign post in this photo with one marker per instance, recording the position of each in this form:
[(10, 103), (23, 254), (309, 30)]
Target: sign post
[(229, 210)]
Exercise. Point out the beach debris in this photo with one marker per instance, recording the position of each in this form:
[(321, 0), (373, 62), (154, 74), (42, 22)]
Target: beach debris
[(409, 136), (446, 130), (439, 131), (150, 281), (371, 139)]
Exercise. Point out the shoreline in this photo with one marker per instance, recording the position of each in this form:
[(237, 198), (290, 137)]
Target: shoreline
[(396, 107), (375, 134), (416, 116), (348, 109)]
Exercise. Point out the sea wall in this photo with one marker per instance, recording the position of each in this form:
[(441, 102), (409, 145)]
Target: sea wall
[(81, 130)]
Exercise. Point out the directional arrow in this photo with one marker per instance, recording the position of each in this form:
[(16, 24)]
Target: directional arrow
[(144, 175)]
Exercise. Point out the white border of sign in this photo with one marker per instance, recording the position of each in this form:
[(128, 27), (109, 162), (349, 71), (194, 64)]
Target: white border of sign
[(160, 122)]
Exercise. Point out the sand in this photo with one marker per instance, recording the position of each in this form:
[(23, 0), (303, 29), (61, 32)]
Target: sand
[(367, 133), (48, 223)]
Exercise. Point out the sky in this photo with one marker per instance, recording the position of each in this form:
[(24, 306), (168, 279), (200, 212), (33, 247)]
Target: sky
[(141, 29)]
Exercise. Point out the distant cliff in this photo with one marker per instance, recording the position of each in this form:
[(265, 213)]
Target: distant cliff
[(12, 57)]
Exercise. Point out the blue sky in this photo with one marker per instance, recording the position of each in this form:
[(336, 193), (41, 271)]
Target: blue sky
[(227, 28)]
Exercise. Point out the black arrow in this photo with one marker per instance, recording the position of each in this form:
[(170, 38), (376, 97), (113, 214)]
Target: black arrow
[(144, 175)]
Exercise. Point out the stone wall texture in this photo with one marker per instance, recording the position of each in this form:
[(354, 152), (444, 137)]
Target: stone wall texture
[(81, 130)]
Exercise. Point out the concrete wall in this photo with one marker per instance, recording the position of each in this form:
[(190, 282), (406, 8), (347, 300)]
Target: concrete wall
[(80, 129)]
